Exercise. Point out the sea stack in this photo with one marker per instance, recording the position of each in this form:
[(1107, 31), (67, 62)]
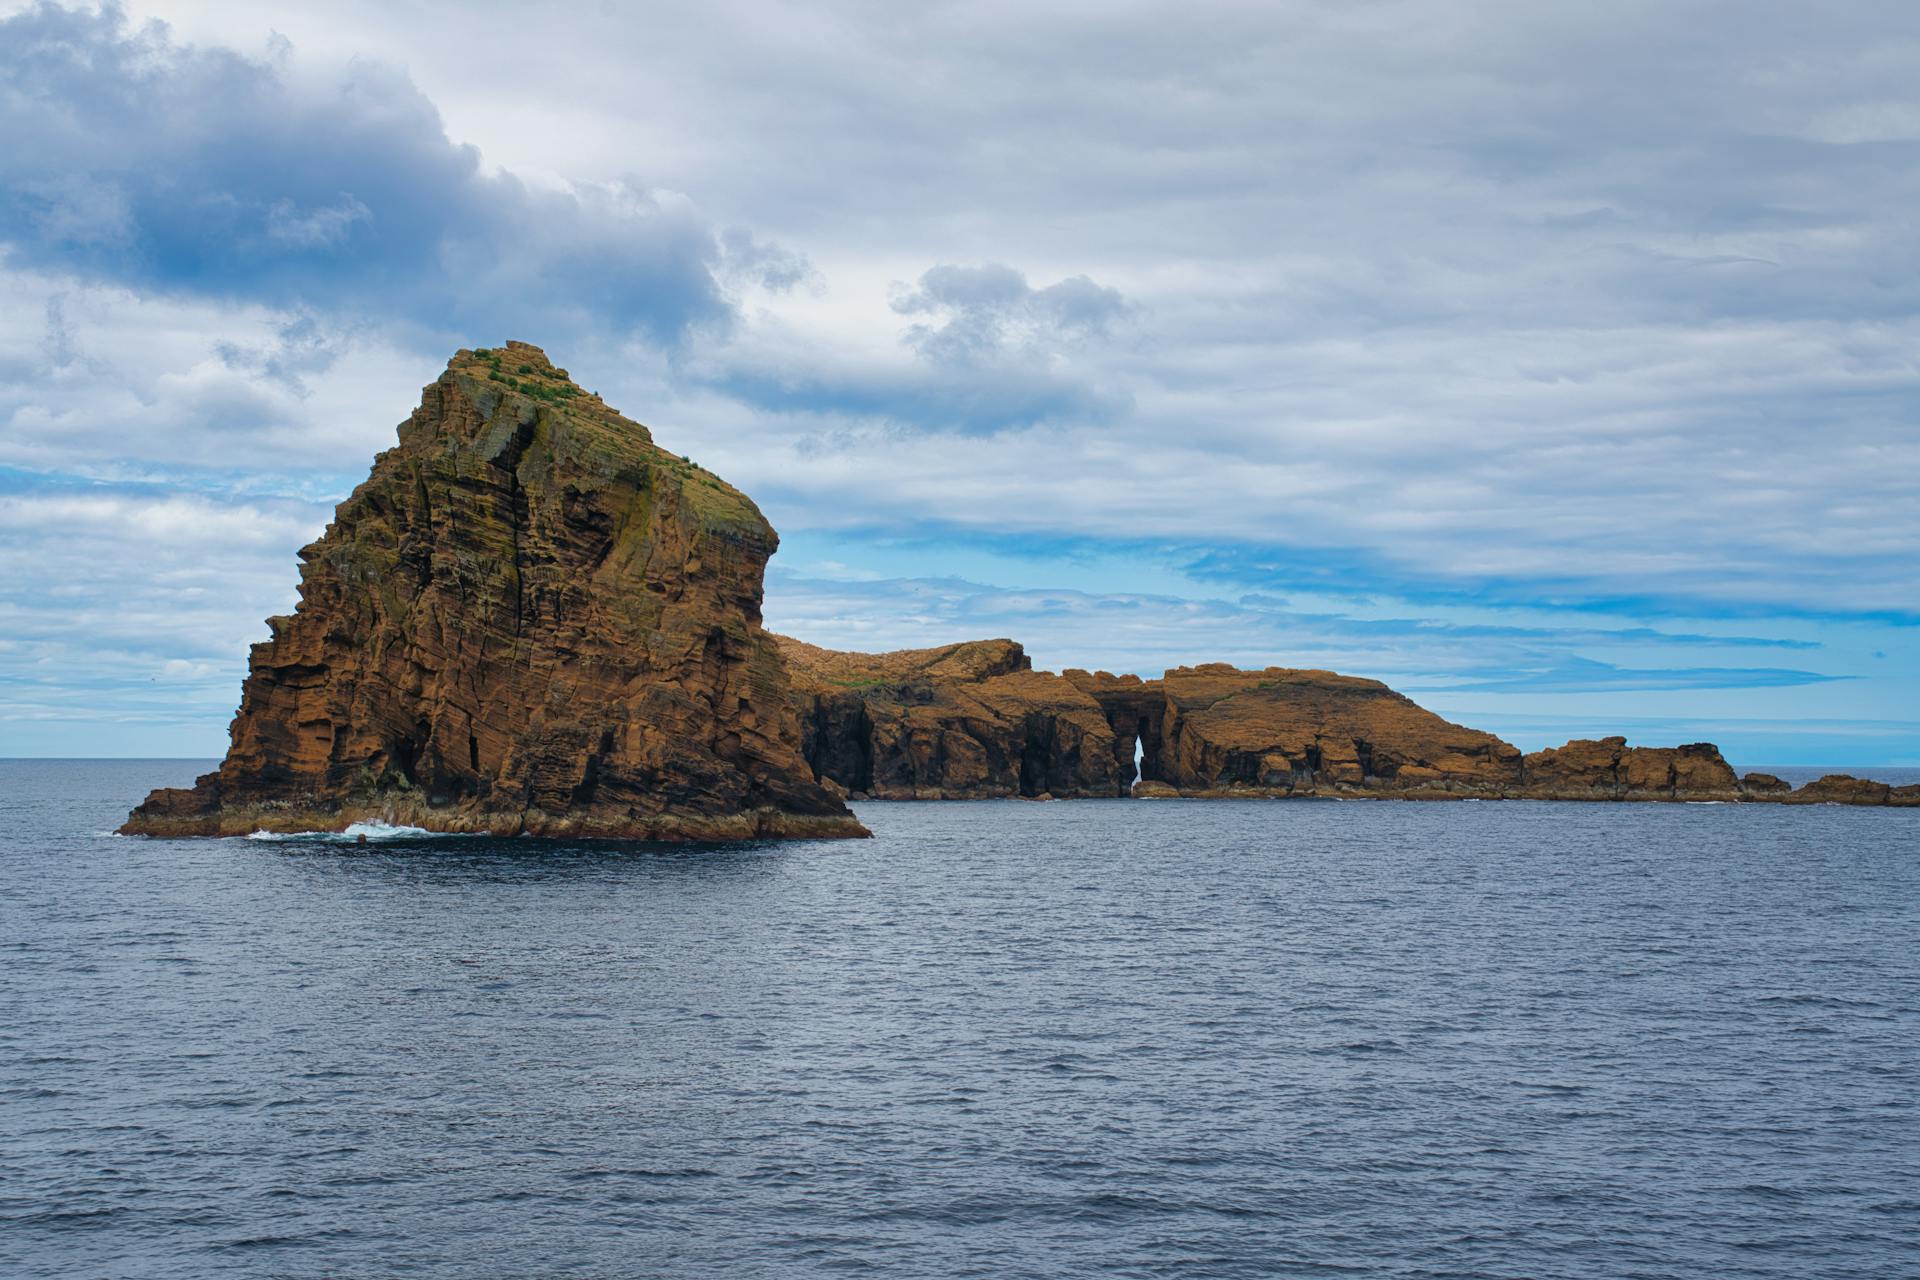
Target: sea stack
[(529, 619)]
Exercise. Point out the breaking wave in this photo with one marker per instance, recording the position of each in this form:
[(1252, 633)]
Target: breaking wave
[(352, 835)]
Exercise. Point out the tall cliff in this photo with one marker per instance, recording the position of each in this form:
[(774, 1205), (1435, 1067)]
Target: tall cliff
[(528, 619)]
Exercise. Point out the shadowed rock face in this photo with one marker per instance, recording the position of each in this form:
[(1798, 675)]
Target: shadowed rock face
[(967, 721), (529, 618)]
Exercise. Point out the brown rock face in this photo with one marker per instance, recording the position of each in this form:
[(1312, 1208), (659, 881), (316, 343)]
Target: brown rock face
[(971, 720), (1608, 769), (528, 619), (1286, 731), (1841, 788), (967, 721)]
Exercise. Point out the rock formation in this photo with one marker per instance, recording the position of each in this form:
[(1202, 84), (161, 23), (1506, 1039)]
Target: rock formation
[(531, 619), (967, 721), (528, 619), (1840, 788), (1608, 769), (974, 720), (1763, 786), (1283, 731)]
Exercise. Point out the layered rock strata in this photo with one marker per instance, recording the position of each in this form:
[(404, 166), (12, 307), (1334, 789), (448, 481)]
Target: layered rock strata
[(966, 721), (1608, 769), (973, 721), (1294, 732), (528, 619)]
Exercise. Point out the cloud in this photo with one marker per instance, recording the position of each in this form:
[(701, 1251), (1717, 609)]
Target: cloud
[(319, 228), (988, 312), (122, 607), (1485, 328), (167, 166), (992, 354), (106, 383), (1574, 674)]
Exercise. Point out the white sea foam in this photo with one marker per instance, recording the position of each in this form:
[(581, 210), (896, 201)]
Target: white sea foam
[(370, 831)]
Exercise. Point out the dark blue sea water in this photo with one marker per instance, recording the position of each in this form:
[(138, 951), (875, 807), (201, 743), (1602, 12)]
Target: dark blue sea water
[(1003, 1039)]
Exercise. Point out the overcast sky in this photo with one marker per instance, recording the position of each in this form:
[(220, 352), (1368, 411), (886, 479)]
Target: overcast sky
[(1558, 364)]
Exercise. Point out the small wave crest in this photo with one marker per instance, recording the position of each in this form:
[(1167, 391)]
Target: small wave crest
[(354, 833)]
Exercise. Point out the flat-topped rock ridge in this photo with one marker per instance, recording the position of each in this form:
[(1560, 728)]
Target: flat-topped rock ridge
[(974, 720)]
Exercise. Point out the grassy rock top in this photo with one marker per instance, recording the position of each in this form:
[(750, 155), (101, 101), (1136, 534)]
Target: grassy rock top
[(594, 435)]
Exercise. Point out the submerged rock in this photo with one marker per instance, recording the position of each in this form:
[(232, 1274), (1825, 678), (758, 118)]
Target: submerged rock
[(528, 619)]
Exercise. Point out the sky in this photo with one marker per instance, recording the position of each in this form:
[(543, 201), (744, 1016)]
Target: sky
[(1559, 365)]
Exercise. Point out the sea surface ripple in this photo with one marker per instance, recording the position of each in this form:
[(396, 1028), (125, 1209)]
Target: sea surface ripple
[(1151, 1039)]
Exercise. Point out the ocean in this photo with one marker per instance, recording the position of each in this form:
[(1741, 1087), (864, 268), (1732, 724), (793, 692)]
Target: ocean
[(1080, 1038)]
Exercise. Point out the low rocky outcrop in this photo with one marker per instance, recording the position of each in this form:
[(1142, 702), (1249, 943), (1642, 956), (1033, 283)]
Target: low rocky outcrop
[(1841, 788), (1608, 769), (528, 619)]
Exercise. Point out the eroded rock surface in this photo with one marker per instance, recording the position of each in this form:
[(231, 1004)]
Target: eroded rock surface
[(529, 618), (1841, 788), (1285, 731), (1608, 769), (965, 721), (972, 720)]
